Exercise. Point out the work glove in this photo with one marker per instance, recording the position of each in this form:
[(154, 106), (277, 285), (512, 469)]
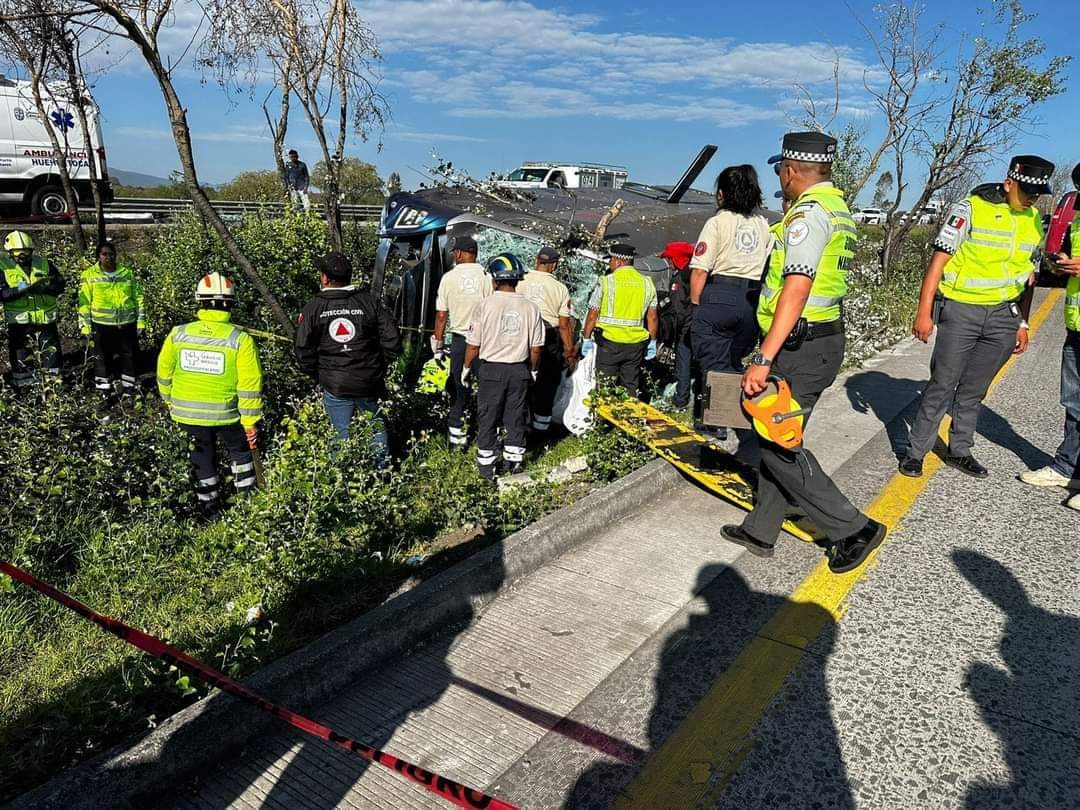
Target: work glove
[(534, 373), (650, 352), (252, 434), (465, 375), (437, 349), (587, 346)]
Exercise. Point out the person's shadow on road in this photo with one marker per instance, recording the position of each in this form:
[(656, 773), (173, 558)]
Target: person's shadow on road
[(878, 393), (693, 659), (1033, 705)]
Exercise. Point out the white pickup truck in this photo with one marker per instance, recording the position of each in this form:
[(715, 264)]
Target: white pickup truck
[(533, 174), (29, 183)]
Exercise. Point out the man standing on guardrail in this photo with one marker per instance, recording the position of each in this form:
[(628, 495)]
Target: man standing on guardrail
[(111, 317), (29, 285), (297, 180)]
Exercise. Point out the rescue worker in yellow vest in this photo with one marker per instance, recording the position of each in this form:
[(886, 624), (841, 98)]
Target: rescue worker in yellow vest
[(1064, 470), (801, 318), (29, 286), (111, 316), (622, 311), (209, 376), (978, 291)]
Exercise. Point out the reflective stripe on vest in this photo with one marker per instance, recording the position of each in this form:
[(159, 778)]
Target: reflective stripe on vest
[(622, 306), (109, 299), (1072, 289), (30, 309), (201, 393), (830, 279), (994, 263)]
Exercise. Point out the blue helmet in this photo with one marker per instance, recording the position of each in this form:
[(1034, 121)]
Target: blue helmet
[(506, 267)]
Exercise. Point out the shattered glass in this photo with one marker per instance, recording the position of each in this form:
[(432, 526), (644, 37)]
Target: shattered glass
[(578, 273)]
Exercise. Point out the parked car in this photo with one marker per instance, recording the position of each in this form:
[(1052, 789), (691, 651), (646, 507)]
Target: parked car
[(870, 216), (29, 183)]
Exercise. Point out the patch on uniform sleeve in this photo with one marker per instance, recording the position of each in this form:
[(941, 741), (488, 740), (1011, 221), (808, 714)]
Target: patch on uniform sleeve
[(794, 215), (797, 233), (701, 248), (956, 221)]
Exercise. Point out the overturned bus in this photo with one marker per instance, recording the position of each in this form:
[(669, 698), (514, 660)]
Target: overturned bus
[(417, 229)]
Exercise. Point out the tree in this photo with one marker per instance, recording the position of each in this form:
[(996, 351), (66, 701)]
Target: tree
[(330, 57), (254, 186), (141, 22), (358, 182), (31, 33), (986, 98), (882, 189)]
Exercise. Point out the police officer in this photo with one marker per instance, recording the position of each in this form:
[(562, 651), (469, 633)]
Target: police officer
[(978, 290), (29, 285), (800, 316), (460, 292), (507, 334), (1064, 470), (622, 309), (346, 340), (111, 316), (553, 299), (209, 376)]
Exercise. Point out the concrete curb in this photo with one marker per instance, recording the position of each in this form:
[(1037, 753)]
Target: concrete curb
[(199, 736)]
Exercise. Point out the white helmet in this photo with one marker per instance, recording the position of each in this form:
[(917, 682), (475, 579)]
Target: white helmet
[(215, 287)]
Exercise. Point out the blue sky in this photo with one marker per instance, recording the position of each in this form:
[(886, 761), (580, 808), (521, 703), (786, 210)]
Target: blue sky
[(490, 83)]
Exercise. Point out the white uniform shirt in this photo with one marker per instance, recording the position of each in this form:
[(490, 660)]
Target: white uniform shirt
[(733, 245), (460, 292)]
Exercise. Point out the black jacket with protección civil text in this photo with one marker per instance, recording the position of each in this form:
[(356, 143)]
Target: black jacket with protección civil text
[(346, 340)]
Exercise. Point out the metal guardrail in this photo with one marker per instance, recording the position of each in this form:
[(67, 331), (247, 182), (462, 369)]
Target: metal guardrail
[(151, 209)]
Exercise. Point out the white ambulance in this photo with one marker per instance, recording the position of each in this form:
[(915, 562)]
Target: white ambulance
[(29, 183), (535, 174)]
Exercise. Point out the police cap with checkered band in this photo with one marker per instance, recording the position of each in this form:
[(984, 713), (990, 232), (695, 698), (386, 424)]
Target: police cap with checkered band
[(810, 147), (1032, 172)]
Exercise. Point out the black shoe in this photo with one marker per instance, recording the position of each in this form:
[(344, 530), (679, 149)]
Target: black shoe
[(967, 464), (851, 552), (736, 534), (507, 469), (911, 467)]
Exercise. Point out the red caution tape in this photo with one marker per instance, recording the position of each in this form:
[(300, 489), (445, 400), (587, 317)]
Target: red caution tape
[(454, 792)]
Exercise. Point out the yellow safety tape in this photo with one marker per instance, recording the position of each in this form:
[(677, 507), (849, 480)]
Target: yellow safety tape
[(697, 762)]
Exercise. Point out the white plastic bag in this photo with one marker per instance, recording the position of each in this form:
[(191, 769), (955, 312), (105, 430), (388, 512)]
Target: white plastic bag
[(570, 408)]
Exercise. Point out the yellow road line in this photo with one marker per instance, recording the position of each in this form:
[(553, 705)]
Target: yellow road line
[(698, 761)]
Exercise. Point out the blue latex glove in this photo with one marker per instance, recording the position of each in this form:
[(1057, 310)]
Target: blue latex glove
[(650, 353), (587, 347)]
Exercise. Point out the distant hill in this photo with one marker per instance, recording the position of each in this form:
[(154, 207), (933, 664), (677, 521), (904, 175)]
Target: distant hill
[(138, 179)]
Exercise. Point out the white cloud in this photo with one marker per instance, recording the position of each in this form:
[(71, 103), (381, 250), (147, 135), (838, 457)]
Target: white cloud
[(432, 137), (521, 61)]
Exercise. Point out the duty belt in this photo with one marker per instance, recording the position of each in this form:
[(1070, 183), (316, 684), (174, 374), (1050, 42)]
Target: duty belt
[(737, 280), (824, 329)]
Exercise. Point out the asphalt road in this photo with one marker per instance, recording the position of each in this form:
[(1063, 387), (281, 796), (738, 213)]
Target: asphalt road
[(657, 666)]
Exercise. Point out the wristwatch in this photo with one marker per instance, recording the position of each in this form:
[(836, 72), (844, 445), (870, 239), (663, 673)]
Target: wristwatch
[(760, 360), (1025, 325)]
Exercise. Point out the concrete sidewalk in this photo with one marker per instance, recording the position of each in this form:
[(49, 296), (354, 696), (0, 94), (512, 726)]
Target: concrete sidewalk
[(535, 684)]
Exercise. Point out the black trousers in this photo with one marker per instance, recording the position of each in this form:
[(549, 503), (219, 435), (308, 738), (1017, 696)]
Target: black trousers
[(459, 394), (724, 327), (542, 394), (501, 401), (115, 350), (622, 362), (810, 369), (31, 346), (203, 454)]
